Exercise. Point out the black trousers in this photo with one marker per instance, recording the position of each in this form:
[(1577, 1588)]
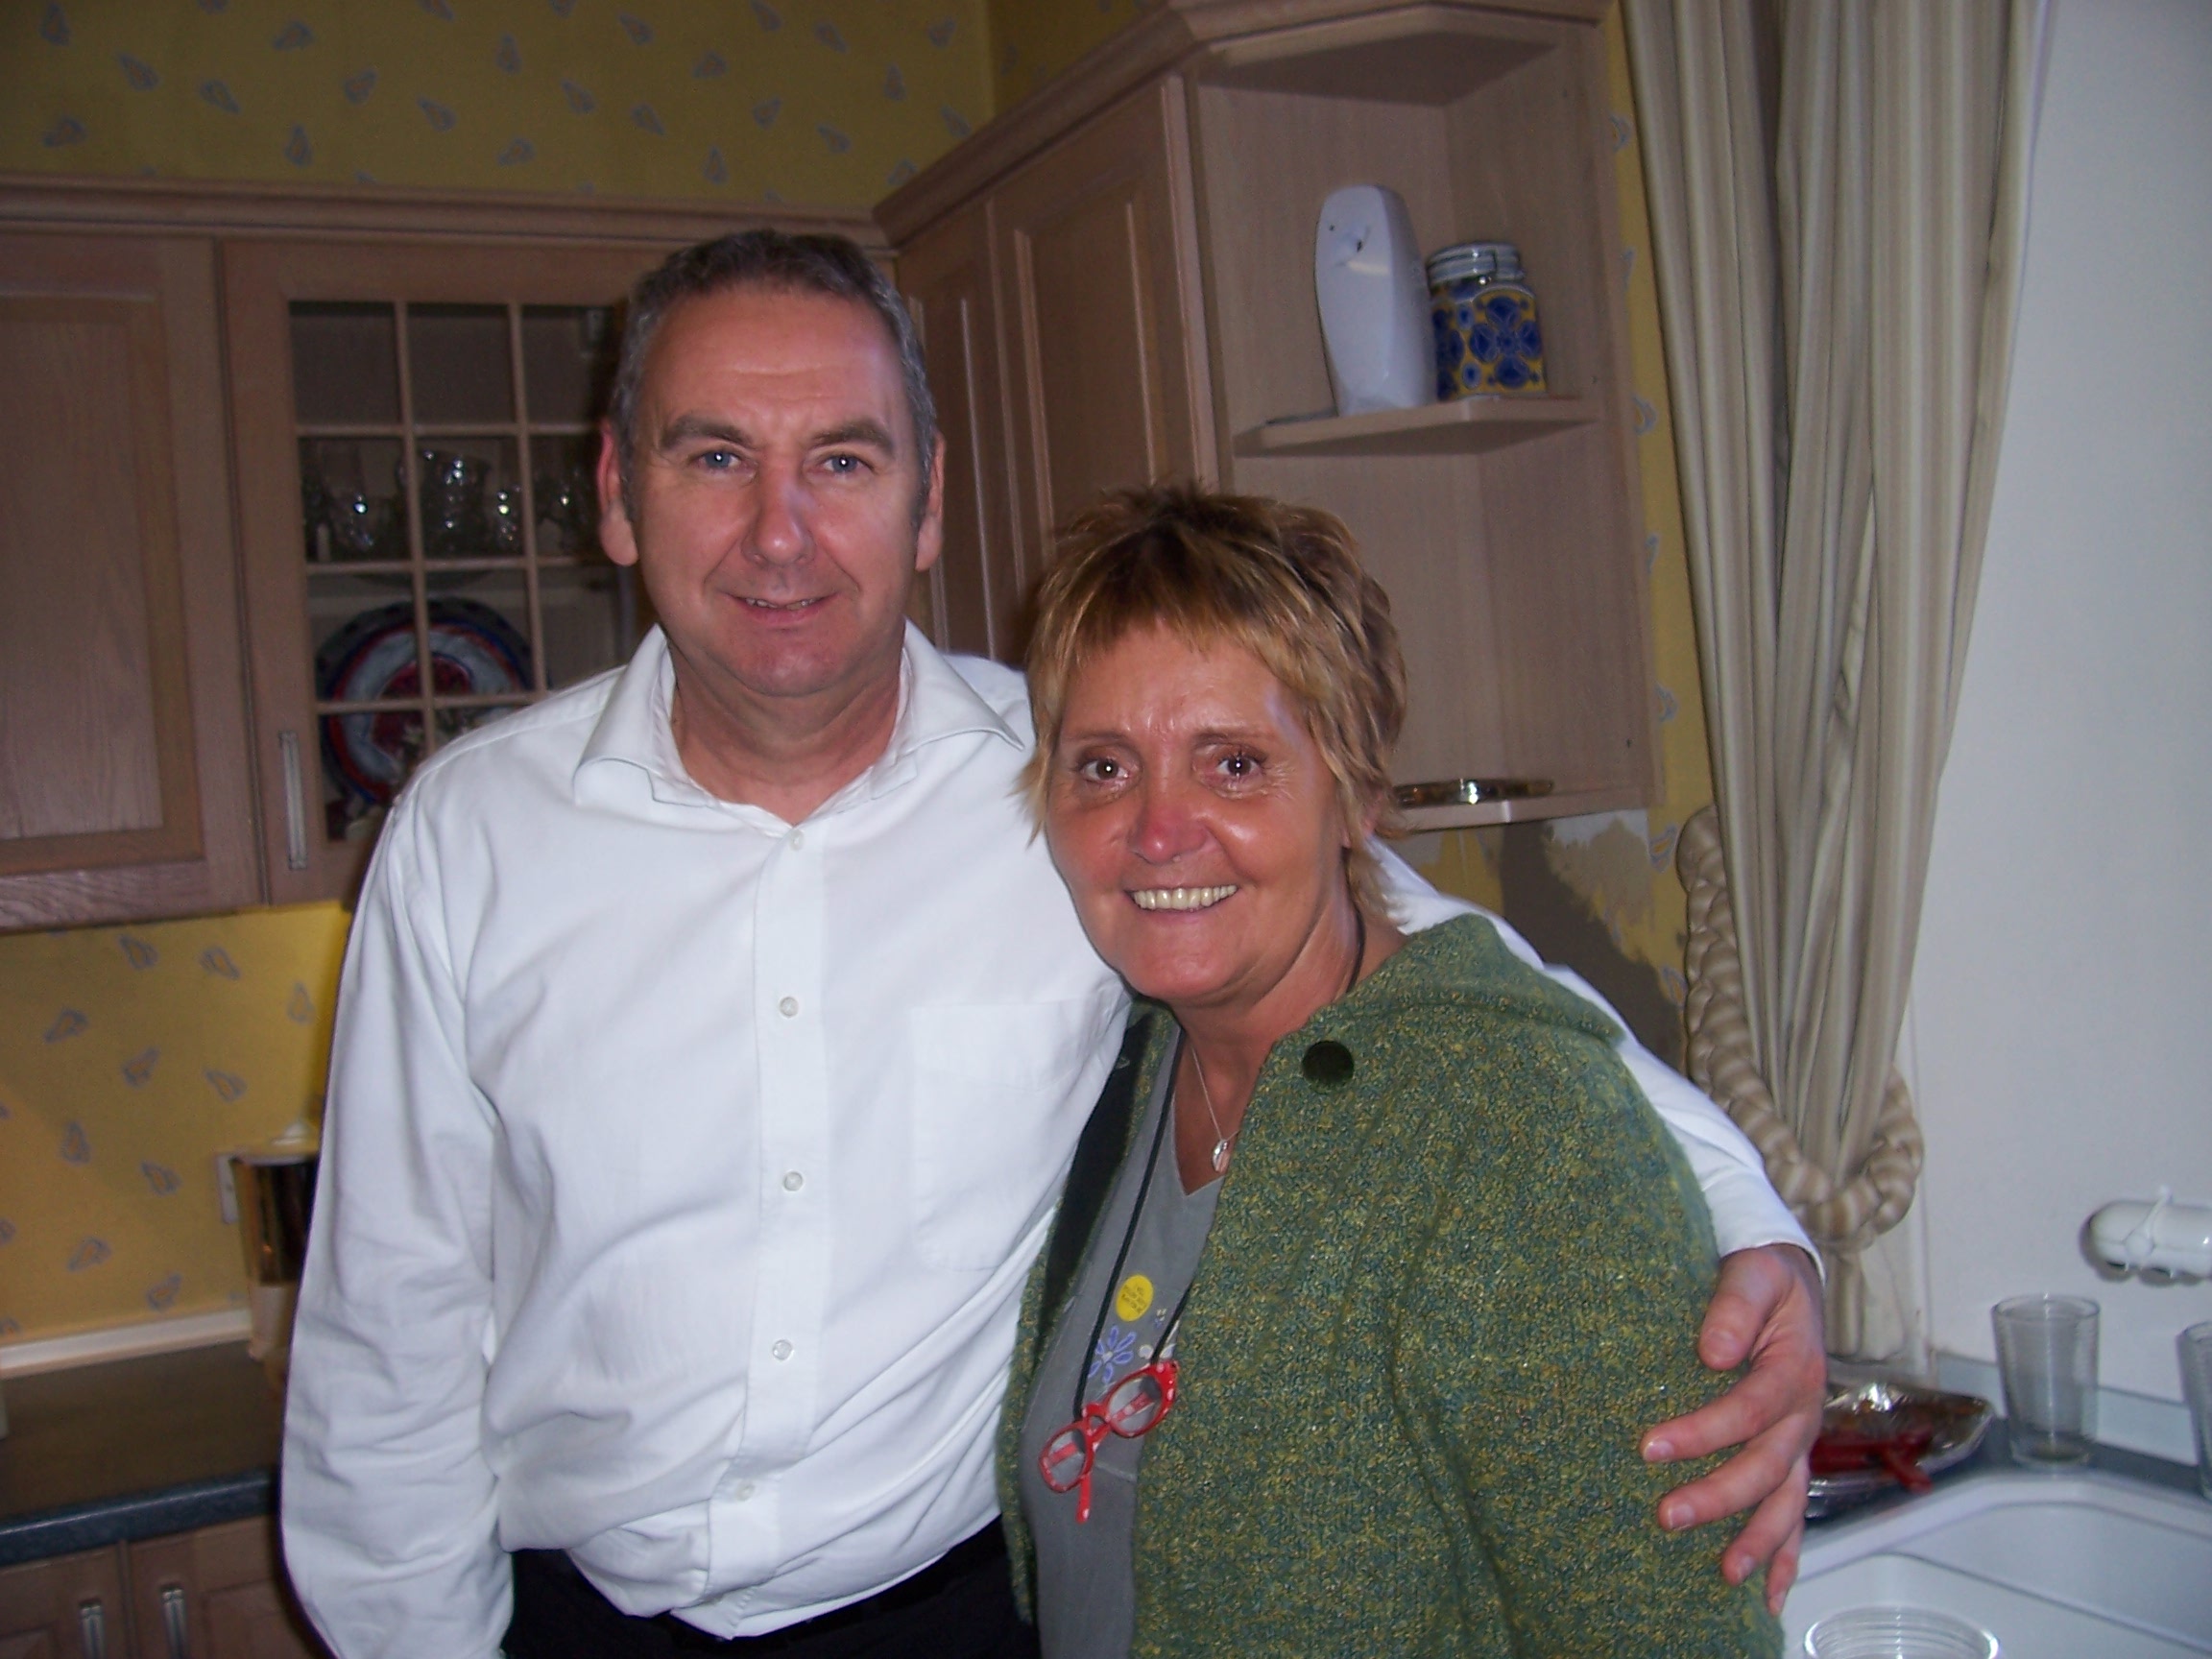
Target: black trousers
[(961, 1607)]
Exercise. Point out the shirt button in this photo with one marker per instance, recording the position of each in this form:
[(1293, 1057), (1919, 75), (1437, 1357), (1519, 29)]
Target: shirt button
[(788, 1007), (782, 1350), (743, 1490), (798, 839), (793, 1181)]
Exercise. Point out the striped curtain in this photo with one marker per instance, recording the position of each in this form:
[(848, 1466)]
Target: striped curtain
[(1839, 200)]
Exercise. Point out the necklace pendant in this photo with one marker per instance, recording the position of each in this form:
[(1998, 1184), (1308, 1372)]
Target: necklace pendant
[(1220, 1156)]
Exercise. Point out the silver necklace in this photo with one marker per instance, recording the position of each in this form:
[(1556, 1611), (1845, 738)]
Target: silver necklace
[(1221, 1141), (1220, 1158)]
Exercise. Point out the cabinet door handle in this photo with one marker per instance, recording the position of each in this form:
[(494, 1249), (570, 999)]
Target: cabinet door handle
[(173, 1620), (295, 801), (93, 1628)]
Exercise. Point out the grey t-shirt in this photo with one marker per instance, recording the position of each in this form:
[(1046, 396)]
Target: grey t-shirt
[(1087, 1596)]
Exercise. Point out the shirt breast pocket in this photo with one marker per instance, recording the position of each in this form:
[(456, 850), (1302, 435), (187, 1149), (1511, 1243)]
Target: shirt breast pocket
[(1000, 1092)]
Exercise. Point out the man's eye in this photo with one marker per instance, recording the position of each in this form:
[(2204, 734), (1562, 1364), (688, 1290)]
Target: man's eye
[(716, 459), (842, 465)]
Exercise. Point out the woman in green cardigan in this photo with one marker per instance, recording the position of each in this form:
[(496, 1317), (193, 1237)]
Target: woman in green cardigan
[(1374, 1261)]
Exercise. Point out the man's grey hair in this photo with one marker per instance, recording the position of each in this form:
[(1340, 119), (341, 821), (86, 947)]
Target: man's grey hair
[(834, 266)]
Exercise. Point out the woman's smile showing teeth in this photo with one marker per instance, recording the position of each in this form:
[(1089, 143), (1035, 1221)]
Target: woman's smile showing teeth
[(1179, 898)]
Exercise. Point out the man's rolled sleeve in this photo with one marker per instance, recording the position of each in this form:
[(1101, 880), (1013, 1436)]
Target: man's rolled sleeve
[(389, 1516)]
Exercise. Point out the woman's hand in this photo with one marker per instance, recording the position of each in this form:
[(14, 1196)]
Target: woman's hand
[(1767, 1309)]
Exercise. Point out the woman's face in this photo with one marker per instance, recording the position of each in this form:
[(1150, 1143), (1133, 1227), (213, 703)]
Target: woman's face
[(1196, 824)]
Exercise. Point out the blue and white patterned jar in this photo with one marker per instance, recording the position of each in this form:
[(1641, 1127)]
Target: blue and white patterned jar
[(1484, 318)]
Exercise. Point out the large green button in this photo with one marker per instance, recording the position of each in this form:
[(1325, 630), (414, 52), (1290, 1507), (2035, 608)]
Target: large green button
[(1326, 1063)]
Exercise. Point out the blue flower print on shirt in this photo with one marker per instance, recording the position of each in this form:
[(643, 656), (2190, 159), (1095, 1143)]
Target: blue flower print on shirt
[(1116, 1352)]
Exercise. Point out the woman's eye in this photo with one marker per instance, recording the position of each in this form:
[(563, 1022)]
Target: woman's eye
[(1240, 766), (1098, 769)]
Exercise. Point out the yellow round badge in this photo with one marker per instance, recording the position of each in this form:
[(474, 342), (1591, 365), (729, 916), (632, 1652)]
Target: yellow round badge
[(1134, 1296)]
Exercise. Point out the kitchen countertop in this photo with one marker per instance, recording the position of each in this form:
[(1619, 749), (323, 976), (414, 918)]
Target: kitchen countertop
[(138, 1448), (135, 1448), (1995, 1453)]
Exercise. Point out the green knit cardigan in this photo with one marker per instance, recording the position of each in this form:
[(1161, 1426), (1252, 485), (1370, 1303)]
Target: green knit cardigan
[(1457, 1269)]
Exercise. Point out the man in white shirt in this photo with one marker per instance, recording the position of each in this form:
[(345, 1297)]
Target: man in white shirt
[(715, 1037)]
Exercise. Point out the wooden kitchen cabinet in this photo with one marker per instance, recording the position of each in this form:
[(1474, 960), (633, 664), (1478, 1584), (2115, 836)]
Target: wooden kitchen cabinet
[(397, 389), (218, 1593), (967, 601), (1151, 220), (66, 1607), (1089, 250), (123, 770), (1055, 312), (416, 441)]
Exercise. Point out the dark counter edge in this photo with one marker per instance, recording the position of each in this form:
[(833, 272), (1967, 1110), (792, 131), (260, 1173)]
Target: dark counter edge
[(1996, 1453), (108, 1520)]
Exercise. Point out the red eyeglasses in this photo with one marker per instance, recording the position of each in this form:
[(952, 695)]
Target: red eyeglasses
[(1132, 1408)]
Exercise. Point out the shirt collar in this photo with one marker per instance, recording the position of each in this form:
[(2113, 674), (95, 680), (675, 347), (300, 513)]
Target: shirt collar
[(634, 730)]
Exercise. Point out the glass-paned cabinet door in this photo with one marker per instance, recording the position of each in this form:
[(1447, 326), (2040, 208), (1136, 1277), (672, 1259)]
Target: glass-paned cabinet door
[(442, 541)]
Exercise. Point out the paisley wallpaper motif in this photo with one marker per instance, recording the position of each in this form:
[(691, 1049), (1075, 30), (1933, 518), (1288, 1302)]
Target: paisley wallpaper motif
[(1033, 40), (823, 102), (129, 1057)]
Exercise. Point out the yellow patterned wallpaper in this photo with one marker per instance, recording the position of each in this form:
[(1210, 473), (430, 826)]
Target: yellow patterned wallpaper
[(1033, 40), (823, 102), (129, 1056)]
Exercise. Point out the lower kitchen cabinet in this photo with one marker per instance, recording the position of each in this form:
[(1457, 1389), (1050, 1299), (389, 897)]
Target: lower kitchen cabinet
[(218, 1593), (66, 1607)]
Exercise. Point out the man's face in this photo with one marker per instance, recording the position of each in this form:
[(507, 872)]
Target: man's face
[(771, 509)]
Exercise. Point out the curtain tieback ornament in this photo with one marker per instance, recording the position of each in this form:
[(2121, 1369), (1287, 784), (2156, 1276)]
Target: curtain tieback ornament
[(1842, 1214)]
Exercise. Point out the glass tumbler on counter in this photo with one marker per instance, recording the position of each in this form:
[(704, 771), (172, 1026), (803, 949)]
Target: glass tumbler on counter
[(2195, 1346), (2047, 1362)]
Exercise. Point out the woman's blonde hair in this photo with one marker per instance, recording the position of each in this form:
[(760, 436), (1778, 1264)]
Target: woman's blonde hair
[(1283, 583)]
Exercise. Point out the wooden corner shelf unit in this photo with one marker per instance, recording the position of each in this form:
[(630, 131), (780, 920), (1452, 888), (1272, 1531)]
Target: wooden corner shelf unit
[(1115, 280)]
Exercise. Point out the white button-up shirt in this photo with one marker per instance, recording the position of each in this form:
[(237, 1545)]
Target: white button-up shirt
[(683, 1169)]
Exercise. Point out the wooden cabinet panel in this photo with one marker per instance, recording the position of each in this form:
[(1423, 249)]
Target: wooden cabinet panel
[(970, 599), (70, 1607), (123, 764), (217, 1593), (1094, 242)]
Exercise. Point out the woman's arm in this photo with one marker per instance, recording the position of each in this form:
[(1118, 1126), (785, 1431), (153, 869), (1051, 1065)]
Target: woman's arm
[(1555, 1315), (1765, 1308)]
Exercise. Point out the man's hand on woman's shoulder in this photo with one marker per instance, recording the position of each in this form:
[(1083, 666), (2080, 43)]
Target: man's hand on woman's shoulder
[(1767, 1310)]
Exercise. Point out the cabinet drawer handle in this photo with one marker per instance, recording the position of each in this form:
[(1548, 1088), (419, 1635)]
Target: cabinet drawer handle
[(93, 1628), (295, 804), (1471, 791), (173, 1620)]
